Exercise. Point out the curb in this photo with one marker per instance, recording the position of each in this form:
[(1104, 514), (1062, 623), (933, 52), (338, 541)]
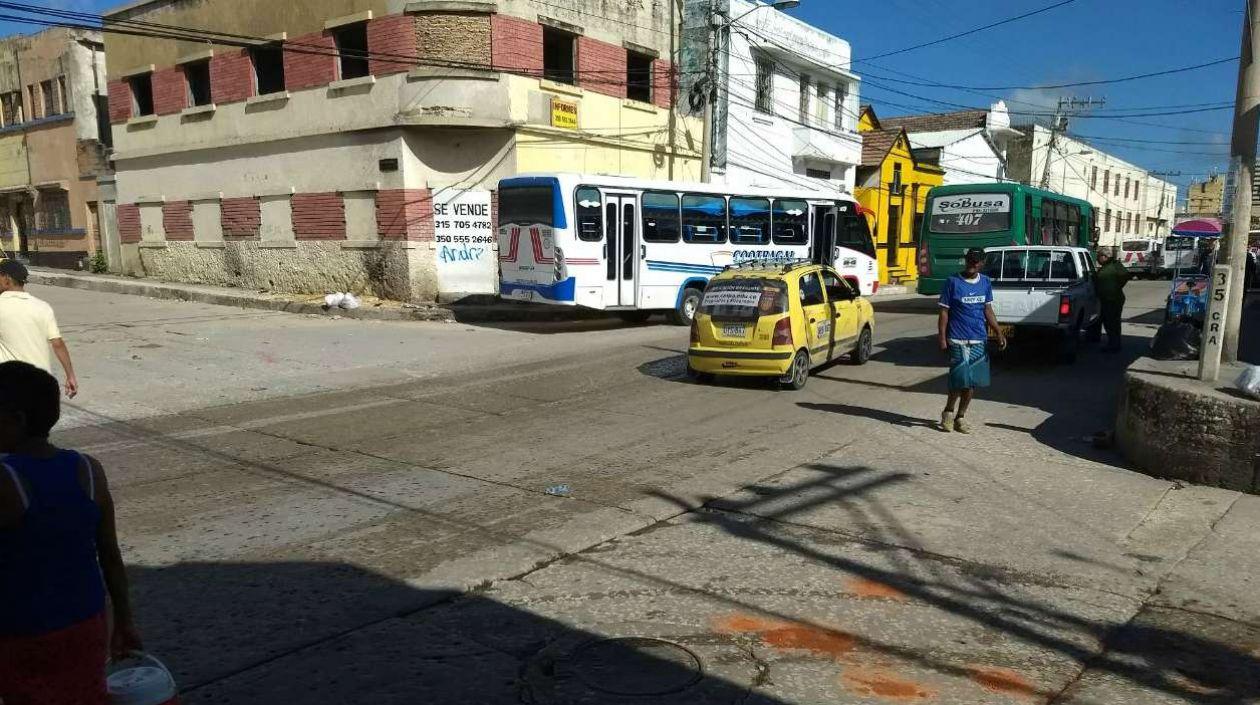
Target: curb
[(229, 297)]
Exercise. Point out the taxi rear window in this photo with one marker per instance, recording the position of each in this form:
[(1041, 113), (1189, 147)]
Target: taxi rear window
[(744, 299)]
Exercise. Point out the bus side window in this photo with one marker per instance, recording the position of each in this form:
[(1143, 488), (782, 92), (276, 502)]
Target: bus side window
[(854, 234), (1030, 223), (1073, 226), (1060, 223), (1046, 234), (790, 220), (750, 221), (590, 214), (660, 217), (704, 219)]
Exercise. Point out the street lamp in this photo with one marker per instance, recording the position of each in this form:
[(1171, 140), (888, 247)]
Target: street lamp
[(720, 31)]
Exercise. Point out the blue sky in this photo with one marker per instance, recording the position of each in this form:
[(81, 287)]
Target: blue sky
[(1082, 41)]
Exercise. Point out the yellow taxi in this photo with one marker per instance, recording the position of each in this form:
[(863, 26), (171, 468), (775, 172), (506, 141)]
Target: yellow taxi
[(777, 319)]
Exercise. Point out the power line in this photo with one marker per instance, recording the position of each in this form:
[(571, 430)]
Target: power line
[(969, 32)]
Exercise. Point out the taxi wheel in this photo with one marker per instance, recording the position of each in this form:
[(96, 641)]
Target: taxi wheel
[(698, 377), (862, 353), (687, 307), (798, 373)]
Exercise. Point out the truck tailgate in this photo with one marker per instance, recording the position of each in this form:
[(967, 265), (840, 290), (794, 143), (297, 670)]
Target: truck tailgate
[(1027, 306)]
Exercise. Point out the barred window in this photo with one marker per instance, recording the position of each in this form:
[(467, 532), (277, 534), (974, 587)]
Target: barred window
[(53, 214), (765, 86)]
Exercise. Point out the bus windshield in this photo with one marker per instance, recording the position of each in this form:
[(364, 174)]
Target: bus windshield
[(527, 205), (1178, 244), (968, 214), (1136, 245)]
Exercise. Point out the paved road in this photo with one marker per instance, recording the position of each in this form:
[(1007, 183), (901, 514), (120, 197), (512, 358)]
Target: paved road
[(354, 512)]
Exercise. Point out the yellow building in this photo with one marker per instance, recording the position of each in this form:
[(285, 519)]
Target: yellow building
[(1206, 197), (892, 184)]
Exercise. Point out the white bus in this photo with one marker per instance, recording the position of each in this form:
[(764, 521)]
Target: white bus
[(1179, 254), (636, 246)]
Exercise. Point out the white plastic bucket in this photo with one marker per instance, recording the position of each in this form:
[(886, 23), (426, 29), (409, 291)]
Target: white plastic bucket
[(141, 679)]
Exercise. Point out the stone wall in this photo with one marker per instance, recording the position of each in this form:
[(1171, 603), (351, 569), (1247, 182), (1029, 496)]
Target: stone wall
[(460, 38), (1173, 426)]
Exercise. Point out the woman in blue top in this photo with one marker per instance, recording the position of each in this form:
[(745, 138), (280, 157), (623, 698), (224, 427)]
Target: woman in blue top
[(966, 310), (59, 556)]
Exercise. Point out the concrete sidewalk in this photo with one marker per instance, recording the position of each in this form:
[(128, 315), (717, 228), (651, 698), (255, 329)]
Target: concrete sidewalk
[(480, 310)]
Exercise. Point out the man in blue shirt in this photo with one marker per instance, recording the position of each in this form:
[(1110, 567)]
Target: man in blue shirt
[(966, 311)]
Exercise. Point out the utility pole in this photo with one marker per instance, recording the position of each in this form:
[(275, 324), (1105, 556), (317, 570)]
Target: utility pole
[(1243, 154), (1068, 107)]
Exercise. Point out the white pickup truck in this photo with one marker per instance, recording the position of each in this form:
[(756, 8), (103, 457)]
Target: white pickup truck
[(1043, 291)]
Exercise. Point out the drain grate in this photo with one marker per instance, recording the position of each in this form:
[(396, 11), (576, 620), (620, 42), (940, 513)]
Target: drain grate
[(636, 666)]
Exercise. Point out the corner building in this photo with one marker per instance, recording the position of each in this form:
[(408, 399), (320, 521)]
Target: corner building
[(355, 145)]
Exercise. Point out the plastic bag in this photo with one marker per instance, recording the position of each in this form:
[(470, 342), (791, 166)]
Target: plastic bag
[(1249, 381), (334, 300), (1177, 340), (349, 302)]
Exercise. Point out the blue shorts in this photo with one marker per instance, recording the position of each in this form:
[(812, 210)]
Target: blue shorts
[(968, 365)]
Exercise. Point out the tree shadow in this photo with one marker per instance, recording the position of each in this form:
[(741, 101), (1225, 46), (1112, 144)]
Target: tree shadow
[(325, 633), (888, 417)]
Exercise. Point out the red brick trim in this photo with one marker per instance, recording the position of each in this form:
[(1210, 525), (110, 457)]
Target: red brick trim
[(319, 216), (170, 91), (394, 37), (231, 77), (404, 214), (516, 45), (240, 218), (177, 220), (119, 102), (128, 223), (664, 83), (310, 70), (601, 67)]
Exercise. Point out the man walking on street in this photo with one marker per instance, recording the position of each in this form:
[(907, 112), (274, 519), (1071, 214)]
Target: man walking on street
[(28, 328), (1109, 283), (966, 306)]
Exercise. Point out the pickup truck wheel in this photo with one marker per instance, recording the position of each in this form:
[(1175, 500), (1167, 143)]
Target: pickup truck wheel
[(862, 353), (1071, 344), (798, 373)]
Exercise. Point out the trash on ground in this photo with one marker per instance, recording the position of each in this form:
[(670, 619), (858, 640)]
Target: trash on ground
[(559, 491), (1249, 381), (1177, 340), (350, 302), (334, 300)]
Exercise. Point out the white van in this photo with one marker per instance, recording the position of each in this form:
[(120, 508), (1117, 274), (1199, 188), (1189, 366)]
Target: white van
[(1140, 256)]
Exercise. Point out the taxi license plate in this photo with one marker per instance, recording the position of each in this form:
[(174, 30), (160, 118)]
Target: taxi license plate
[(734, 331)]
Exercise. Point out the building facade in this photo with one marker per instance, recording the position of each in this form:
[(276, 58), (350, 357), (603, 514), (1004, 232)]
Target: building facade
[(355, 145), (787, 103), (1207, 197), (52, 87), (893, 184), (1131, 203), (970, 145)]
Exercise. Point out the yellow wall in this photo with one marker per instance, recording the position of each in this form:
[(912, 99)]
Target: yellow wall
[(916, 180), (13, 168)]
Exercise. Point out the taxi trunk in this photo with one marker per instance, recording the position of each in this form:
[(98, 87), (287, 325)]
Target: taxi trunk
[(743, 328)]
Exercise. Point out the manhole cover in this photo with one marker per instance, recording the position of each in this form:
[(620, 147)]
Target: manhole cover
[(636, 666)]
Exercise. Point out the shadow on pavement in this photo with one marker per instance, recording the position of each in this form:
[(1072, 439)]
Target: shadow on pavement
[(923, 304), (888, 417), (1188, 656), (325, 633)]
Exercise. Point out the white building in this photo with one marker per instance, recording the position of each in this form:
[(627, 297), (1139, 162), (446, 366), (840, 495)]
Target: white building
[(1130, 202), (970, 145), (788, 110)]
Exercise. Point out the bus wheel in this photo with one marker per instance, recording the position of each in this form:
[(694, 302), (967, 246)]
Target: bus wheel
[(687, 307), (798, 373), (862, 353)]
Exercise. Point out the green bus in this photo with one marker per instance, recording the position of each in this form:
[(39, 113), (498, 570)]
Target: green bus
[(963, 216)]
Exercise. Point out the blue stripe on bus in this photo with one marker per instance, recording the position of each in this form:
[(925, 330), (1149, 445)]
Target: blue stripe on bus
[(660, 266)]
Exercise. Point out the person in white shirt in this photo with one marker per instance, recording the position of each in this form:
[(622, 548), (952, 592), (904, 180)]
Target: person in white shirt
[(28, 327)]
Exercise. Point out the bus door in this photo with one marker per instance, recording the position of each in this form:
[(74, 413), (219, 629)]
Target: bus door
[(621, 249), (823, 244)]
